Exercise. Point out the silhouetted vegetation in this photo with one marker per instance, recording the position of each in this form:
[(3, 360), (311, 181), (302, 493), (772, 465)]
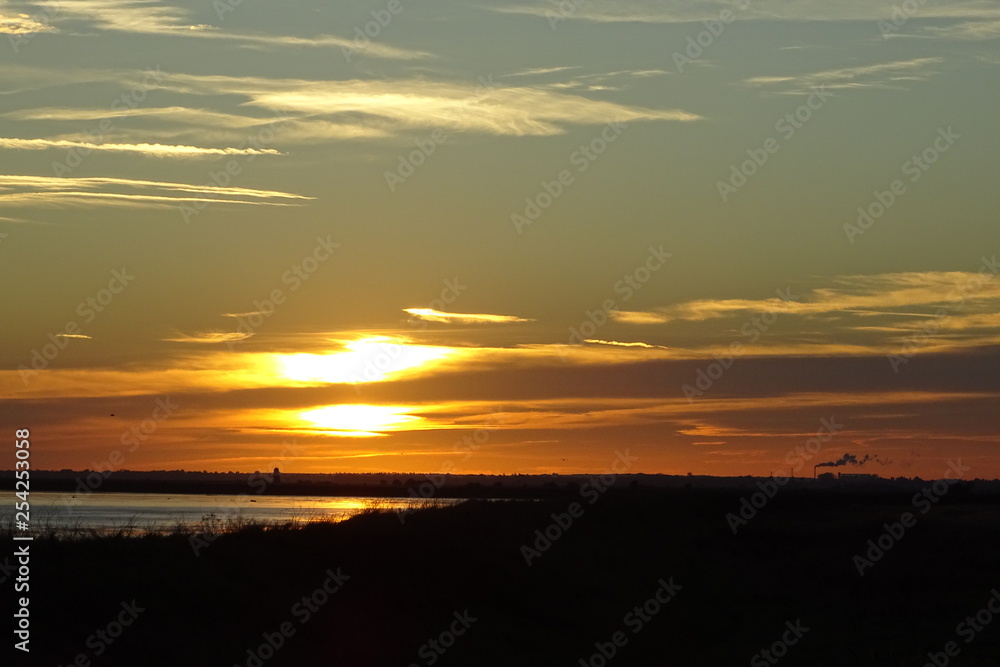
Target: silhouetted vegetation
[(408, 578)]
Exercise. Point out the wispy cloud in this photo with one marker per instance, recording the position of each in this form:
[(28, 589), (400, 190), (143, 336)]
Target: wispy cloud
[(51, 191), (431, 315), (415, 103), (149, 17), (598, 341), (297, 131), (175, 114), (58, 183), (967, 30), (639, 317), (19, 78), (21, 24), (142, 16), (602, 81), (209, 337), (850, 315), (69, 198), (308, 110), (684, 11), (538, 71), (878, 75), (175, 122), (859, 295), (151, 150)]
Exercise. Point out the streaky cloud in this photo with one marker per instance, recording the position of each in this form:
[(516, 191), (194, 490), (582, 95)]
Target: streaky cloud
[(22, 24), (876, 75), (417, 103), (152, 150), (864, 295), (209, 337), (97, 191), (146, 17), (616, 343), (60, 183), (94, 198), (431, 315), (965, 31), (682, 11), (175, 114)]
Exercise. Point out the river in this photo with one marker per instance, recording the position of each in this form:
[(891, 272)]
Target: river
[(68, 513)]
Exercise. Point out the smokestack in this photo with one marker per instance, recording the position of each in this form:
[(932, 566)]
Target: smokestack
[(849, 458)]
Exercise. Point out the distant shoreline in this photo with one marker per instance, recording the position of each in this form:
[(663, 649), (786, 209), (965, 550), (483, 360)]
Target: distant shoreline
[(417, 485)]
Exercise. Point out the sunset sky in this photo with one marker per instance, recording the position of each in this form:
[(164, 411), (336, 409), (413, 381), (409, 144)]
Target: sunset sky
[(502, 237)]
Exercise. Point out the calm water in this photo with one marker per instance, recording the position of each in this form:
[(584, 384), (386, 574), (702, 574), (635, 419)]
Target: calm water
[(160, 512)]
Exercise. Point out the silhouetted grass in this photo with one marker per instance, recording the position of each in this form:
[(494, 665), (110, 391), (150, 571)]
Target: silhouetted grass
[(793, 561)]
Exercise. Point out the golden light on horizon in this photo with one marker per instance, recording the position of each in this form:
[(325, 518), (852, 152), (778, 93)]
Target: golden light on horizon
[(370, 359), (360, 420)]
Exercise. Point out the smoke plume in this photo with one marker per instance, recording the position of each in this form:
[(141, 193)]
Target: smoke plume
[(853, 460)]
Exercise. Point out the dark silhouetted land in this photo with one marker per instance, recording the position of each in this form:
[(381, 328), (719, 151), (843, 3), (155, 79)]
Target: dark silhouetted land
[(399, 584)]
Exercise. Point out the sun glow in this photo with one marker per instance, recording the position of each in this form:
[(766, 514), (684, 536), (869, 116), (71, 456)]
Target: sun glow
[(366, 360), (360, 421)]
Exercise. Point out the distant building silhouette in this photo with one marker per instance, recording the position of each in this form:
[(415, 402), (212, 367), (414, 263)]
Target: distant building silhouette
[(857, 477)]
